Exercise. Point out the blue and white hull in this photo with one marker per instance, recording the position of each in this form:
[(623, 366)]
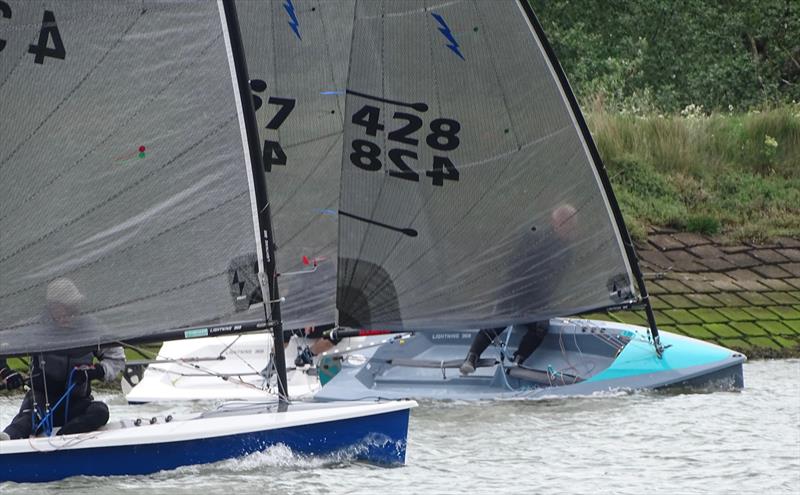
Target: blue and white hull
[(372, 432), (577, 357)]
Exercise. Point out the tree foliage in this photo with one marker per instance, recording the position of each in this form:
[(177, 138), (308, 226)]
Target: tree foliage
[(667, 54)]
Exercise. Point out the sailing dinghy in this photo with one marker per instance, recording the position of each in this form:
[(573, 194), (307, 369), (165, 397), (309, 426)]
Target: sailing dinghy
[(577, 357), (473, 196), (128, 157)]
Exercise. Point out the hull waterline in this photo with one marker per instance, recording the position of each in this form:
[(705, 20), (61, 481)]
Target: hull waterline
[(370, 432)]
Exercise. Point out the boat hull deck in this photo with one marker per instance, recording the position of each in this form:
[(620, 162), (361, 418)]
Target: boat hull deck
[(578, 357)]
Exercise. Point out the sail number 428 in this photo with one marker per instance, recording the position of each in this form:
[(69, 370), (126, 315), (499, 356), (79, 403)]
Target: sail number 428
[(443, 137)]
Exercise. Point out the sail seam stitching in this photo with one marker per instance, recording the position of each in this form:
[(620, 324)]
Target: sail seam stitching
[(69, 95), (116, 194), (151, 99), (128, 248)]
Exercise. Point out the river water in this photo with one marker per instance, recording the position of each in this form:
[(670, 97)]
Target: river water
[(637, 443)]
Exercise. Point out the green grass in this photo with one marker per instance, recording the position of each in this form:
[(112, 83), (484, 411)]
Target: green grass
[(732, 174)]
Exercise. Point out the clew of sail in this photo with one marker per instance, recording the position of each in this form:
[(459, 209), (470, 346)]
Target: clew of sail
[(471, 195), (122, 171)]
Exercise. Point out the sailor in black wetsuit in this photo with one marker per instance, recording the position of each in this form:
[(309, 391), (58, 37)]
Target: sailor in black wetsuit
[(52, 373), (562, 221), (534, 335)]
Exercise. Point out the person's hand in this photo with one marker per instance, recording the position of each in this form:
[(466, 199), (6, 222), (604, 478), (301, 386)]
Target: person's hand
[(86, 373), (11, 378)]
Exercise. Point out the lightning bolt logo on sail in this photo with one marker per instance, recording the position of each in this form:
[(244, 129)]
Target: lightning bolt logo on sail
[(445, 30), (293, 22)]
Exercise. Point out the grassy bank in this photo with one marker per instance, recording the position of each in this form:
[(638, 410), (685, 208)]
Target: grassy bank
[(737, 175)]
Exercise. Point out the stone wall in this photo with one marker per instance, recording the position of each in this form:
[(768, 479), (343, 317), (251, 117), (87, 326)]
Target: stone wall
[(742, 296)]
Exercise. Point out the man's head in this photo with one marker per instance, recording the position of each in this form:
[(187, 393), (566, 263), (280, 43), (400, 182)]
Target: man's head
[(63, 301), (564, 221)]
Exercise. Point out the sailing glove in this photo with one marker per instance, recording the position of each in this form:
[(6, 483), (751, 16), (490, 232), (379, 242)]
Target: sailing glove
[(89, 373), (304, 358), (11, 378)]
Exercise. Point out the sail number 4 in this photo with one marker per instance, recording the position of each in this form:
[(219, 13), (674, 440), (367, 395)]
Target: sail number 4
[(47, 32), (443, 136)]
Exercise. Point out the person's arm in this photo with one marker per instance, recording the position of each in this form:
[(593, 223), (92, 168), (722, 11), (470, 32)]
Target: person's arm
[(112, 361)]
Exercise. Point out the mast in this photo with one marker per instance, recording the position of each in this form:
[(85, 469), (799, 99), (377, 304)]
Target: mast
[(260, 190), (601, 171)]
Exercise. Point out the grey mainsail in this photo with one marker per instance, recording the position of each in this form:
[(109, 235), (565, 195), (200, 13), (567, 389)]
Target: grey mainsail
[(123, 177), (297, 56), (470, 193)]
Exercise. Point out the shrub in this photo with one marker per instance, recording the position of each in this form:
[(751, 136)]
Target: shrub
[(642, 55)]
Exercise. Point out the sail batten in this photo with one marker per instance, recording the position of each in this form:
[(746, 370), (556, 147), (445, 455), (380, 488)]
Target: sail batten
[(469, 195)]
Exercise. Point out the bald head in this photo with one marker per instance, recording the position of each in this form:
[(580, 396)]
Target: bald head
[(564, 221)]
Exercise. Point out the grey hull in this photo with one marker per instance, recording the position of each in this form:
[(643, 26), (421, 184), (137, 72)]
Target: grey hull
[(577, 358)]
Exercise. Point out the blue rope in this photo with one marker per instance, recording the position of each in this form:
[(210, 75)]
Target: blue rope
[(67, 394), (47, 419)]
